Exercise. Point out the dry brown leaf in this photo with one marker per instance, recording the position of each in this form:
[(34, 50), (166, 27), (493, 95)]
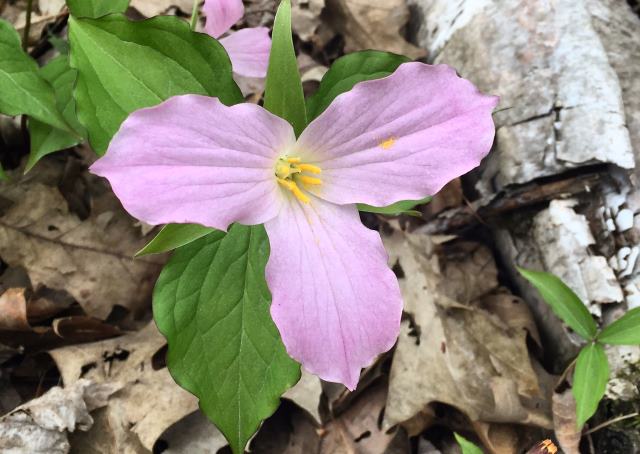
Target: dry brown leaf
[(565, 422), (453, 353), (305, 18), (50, 7), (306, 394), (150, 401), (357, 430), (41, 425), (498, 438), (152, 8), (194, 433), (13, 310), (372, 24), (513, 311), (90, 259)]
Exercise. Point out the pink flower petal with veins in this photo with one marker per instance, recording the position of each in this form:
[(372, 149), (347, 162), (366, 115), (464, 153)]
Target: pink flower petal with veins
[(194, 160), (221, 15), (336, 302), (249, 50), (400, 138)]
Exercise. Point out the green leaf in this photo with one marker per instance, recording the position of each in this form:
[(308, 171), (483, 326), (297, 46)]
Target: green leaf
[(624, 331), (589, 381), (23, 91), (347, 71), (124, 66), (212, 303), (96, 8), (563, 301), (172, 236), (46, 139), (396, 209), (283, 90), (466, 446), (3, 175)]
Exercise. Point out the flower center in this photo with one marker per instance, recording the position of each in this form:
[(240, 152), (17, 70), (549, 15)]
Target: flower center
[(291, 171)]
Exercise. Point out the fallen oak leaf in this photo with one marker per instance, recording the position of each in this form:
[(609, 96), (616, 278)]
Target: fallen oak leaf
[(62, 252), (457, 353), (131, 419), (372, 24)]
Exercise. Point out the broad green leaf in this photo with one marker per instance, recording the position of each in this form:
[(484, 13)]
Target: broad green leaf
[(563, 301), (466, 446), (624, 331), (589, 381), (23, 91), (172, 236), (283, 90), (46, 139), (396, 209), (347, 71), (124, 66), (96, 8), (3, 175), (212, 303)]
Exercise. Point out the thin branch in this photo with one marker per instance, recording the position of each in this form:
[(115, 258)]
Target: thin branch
[(611, 421), (27, 26)]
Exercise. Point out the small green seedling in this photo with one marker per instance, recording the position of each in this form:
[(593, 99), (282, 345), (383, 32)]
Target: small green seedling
[(592, 367)]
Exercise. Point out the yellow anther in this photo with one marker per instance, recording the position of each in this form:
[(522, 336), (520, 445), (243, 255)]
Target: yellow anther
[(295, 190), (294, 160), (309, 168), (387, 144), (308, 180)]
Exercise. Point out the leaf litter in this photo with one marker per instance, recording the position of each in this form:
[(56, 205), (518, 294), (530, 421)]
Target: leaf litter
[(467, 358)]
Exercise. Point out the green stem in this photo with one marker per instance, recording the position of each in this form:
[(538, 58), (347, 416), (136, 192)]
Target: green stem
[(195, 14), (27, 25)]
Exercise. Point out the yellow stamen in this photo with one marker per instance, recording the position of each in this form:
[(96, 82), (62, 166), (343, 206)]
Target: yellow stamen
[(295, 190), (387, 144), (294, 160), (309, 168), (309, 180)]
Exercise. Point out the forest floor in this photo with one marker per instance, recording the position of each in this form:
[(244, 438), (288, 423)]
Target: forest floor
[(475, 355)]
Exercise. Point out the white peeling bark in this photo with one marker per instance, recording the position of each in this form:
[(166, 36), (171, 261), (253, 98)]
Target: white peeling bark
[(561, 105), (568, 74)]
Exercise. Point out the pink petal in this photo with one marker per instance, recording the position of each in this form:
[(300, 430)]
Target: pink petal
[(221, 15), (335, 301), (194, 160), (249, 50), (399, 138)]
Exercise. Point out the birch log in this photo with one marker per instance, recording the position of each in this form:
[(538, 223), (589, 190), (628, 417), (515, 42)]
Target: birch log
[(568, 74)]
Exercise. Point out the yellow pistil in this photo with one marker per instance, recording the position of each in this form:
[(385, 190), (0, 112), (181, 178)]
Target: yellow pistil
[(289, 172)]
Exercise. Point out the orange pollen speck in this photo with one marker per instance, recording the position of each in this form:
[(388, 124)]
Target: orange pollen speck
[(549, 446), (388, 144)]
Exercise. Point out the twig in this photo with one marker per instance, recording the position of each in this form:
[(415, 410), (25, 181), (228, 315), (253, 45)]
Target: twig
[(611, 421), (195, 14), (27, 25), (564, 375)]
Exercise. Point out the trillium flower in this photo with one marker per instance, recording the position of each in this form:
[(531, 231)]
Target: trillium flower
[(248, 48), (336, 302)]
